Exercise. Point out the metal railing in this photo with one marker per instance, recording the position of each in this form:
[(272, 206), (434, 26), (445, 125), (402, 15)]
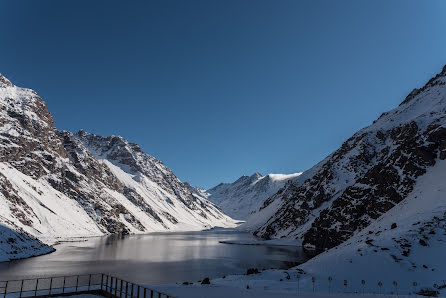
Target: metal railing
[(100, 284), (116, 287), (331, 285)]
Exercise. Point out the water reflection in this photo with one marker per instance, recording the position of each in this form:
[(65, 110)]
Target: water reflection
[(157, 258)]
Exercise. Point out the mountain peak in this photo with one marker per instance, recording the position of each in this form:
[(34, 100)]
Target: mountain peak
[(256, 175), (4, 82), (82, 133), (432, 82)]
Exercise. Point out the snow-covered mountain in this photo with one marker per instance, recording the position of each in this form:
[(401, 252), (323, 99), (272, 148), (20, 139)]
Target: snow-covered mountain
[(247, 194), (375, 170), (59, 184)]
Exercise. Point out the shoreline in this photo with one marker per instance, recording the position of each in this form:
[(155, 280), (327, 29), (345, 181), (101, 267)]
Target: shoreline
[(274, 242)]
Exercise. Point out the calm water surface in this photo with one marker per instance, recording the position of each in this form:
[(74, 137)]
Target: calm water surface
[(157, 258)]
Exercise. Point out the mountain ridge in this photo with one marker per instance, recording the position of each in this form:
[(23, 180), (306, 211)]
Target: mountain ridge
[(370, 173)]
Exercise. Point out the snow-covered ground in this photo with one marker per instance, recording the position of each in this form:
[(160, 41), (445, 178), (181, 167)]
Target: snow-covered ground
[(292, 283), (275, 283)]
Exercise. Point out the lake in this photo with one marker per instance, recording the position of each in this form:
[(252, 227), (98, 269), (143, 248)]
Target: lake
[(157, 258)]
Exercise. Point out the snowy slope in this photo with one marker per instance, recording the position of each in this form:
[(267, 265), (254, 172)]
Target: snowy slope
[(56, 184), (373, 171), (40, 210), (406, 244), (245, 196), (17, 244)]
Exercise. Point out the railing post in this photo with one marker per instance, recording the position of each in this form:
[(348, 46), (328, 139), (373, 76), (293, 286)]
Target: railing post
[(63, 285), (35, 291), (77, 281), (21, 288), (51, 284), (131, 293), (126, 288), (159, 295), (151, 293), (106, 284), (102, 280), (116, 286), (145, 292), (139, 289), (6, 289), (120, 289), (89, 282)]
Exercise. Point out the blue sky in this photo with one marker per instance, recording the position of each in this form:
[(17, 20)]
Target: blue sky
[(218, 89)]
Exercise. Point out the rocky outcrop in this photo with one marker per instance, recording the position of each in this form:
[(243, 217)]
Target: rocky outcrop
[(28, 138)]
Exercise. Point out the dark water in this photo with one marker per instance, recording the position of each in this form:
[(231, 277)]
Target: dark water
[(157, 258)]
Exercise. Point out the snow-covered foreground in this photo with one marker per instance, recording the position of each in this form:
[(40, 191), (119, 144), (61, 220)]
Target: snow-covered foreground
[(224, 292), (274, 283), (290, 283)]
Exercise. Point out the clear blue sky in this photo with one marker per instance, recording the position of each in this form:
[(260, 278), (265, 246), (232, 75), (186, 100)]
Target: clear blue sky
[(218, 89)]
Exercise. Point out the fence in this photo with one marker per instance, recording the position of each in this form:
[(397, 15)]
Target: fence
[(307, 284), (100, 284)]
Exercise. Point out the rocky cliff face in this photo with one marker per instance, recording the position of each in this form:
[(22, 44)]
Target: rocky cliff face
[(372, 172), (56, 183), (29, 140)]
